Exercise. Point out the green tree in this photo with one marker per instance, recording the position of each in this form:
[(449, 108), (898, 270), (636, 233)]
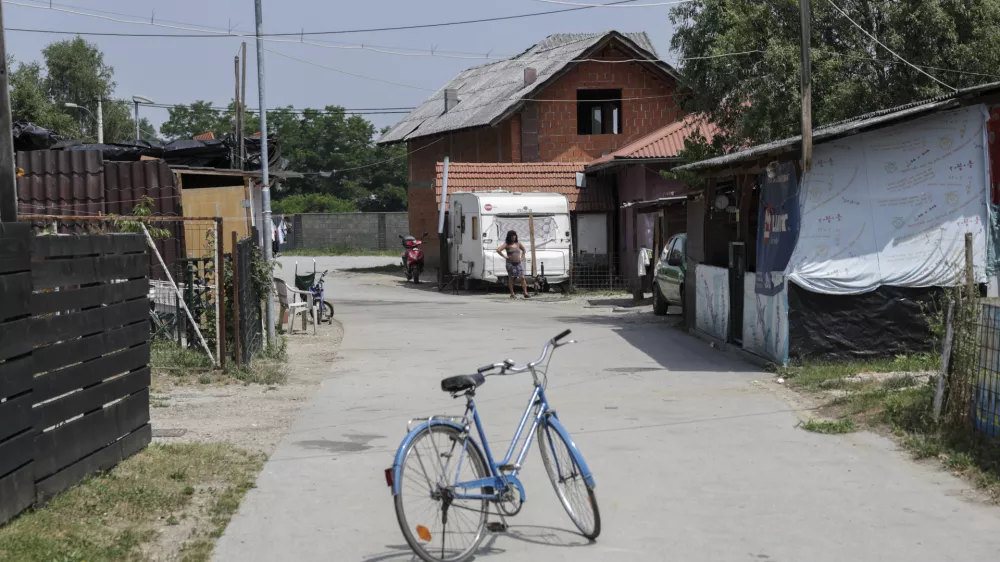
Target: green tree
[(200, 117), (755, 97)]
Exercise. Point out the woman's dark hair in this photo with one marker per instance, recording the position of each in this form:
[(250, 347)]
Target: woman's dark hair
[(511, 237)]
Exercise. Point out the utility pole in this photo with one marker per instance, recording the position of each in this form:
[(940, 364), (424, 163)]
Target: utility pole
[(8, 181), (100, 121), (265, 191), (236, 114), (242, 105), (807, 135)]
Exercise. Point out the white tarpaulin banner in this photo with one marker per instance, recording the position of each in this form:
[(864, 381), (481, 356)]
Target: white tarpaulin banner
[(892, 207), (546, 230)]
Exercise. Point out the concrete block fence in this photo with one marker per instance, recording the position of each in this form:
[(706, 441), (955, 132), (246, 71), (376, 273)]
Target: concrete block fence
[(362, 231)]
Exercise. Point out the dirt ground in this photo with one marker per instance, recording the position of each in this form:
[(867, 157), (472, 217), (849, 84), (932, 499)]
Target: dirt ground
[(249, 416)]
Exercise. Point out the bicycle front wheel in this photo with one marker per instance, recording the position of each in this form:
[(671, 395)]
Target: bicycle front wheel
[(327, 312), (436, 525), (576, 496)]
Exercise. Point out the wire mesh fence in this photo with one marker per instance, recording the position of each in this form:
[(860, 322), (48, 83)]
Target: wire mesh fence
[(247, 301), (183, 272), (973, 389), (598, 272)]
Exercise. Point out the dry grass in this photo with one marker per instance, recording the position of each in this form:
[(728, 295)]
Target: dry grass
[(186, 491)]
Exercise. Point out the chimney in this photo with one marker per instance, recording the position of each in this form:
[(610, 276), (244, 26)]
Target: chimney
[(450, 99), (530, 74)]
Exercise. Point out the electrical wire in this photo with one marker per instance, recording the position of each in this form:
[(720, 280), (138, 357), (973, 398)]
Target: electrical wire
[(391, 28), (563, 3), (339, 71), (872, 37)]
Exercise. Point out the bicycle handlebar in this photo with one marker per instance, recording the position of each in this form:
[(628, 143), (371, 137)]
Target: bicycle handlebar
[(508, 366)]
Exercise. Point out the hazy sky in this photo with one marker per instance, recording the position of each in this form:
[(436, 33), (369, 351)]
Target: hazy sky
[(182, 70)]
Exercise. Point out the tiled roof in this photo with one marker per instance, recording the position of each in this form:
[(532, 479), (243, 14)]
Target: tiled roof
[(663, 143), (488, 93), (547, 177)]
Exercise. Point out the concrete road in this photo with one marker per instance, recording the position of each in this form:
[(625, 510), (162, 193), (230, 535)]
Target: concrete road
[(693, 461)]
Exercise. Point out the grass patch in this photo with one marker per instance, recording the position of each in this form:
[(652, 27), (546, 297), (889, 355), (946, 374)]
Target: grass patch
[(830, 427), (168, 356), (901, 407), (119, 515), (342, 251), (388, 268), (827, 376)]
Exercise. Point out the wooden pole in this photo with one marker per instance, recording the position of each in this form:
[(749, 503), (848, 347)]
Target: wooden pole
[(241, 102), (805, 16), (949, 335), (970, 280), (220, 290), (8, 179), (237, 355), (236, 105), (531, 237)]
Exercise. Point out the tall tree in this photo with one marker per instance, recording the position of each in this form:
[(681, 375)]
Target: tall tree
[(200, 117), (755, 96)]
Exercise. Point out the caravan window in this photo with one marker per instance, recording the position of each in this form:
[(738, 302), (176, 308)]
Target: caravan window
[(546, 229), (475, 228)]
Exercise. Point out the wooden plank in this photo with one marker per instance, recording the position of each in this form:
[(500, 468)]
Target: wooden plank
[(16, 415), (69, 443), (16, 451), (99, 461), (89, 373), (15, 251), (42, 331), (16, 376), (17, 491), (15, 295), (75, 299), (80, 271), (15, 338), (86, 401), (91, 347), (98, 244)]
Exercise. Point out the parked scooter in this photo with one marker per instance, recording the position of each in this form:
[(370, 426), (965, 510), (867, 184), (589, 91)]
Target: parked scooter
[(413, 257)]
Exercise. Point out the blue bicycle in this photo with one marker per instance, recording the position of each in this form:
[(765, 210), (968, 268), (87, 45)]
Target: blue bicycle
[(443, 485)]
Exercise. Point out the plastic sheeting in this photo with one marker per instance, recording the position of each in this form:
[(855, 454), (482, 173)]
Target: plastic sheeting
[(546, 230), (892, 207)]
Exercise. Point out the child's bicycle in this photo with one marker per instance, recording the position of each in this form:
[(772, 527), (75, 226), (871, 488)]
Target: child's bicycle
[(443, 484)]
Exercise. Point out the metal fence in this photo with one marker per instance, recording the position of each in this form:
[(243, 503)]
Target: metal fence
[(600, 272), (182, 272), (247, 302), (973, 390)]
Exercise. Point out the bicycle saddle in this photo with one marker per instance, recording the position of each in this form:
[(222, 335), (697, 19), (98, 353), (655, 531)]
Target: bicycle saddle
[(462, 382)]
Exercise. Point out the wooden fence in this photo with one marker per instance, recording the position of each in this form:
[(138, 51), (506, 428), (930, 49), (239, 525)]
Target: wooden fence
[(74, 359)]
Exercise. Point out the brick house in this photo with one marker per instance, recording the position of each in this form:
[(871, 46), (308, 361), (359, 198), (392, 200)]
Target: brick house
[(570, 98)]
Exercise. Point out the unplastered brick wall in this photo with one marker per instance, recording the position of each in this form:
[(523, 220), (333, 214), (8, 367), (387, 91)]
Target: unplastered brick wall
[(363, 231)]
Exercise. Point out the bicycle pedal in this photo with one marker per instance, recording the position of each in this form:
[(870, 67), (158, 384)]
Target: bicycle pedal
[(509, 467), (496, 527)]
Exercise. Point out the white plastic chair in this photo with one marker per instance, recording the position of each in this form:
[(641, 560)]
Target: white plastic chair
[(300, 303)]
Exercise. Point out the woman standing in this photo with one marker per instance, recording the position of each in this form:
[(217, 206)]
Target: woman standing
[(514, 257)]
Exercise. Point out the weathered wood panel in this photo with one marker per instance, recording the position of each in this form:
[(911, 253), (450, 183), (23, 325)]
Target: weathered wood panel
[(81, 271), (16, 415), (101, 460), (90, 399), (15, 295), (17, 492), (89, 373), (50, 329), (66, 444), (76, 299), (66, 246), (16, 376), (14, 247), (16, 451), (90, 347)]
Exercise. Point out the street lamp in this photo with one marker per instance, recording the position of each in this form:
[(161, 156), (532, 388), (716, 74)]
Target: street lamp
[(99, 118), (137, 100)]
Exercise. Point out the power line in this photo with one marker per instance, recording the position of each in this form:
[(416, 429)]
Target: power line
[(872, 37), (372, 29), (562, 3), (339, 71)]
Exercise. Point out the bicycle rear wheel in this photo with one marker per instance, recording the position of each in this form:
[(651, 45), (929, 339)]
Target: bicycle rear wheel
[(576, 496), (434, 460)]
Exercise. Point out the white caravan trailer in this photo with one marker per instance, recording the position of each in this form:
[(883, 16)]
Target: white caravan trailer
[(479, 224)]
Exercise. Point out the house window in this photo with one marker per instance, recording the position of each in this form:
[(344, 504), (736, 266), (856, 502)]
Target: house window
[(598, 112)]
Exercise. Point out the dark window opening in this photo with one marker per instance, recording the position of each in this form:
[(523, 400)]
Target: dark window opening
[(598, 112)]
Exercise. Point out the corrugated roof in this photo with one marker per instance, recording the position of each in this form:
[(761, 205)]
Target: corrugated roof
[(60, 183), (487, 93), (850, 126), (663, 144), (534, 177)]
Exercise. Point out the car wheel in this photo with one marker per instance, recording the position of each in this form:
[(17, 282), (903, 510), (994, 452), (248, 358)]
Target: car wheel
[(659, 303)]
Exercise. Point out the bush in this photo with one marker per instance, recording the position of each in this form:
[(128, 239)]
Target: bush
[(910, 409), (312, 203)]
